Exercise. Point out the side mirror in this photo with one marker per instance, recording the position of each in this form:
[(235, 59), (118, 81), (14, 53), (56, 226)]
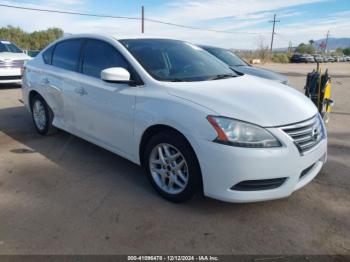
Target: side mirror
[(115, 75)]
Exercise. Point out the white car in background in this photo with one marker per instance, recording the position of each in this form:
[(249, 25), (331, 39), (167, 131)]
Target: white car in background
[(193, 123), (12, 60)]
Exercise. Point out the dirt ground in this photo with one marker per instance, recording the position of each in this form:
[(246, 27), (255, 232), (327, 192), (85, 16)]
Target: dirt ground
[(63, 195)]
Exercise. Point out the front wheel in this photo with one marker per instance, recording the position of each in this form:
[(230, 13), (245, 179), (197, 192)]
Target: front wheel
[(172, 166)]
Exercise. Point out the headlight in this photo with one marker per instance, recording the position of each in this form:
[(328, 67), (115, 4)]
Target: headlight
[(238, 133)]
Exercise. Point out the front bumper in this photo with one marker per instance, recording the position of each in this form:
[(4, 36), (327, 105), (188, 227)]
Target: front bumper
[(225, 166), (10, 75)]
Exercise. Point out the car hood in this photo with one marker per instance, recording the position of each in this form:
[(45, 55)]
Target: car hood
[(252, 99), (260, 72), (13, 56)]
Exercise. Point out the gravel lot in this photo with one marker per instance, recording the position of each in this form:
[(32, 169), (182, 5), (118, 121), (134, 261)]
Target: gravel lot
[(62, 195)]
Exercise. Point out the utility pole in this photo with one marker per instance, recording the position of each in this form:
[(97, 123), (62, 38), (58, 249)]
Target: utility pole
[(325, 47), (274, 21), (142, 19), (290, 47)]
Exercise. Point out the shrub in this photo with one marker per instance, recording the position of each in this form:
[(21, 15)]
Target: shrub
[(280, 58)]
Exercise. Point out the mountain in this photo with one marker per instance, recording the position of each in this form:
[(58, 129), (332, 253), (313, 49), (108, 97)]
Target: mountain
[(334, 43)]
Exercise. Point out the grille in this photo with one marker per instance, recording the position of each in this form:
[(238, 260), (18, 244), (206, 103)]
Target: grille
[(13, 64), (306, 135)]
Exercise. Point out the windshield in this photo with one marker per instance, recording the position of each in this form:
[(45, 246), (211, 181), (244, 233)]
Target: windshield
[(226, 56), (173, 60), (6, 46)]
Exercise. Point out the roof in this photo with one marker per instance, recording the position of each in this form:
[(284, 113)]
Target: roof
[(210, 47), (116, 37)]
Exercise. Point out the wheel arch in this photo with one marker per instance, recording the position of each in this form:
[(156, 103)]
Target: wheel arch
[(31, 95), (156, 129)]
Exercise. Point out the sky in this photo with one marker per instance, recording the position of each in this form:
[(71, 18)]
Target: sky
[(247, 20)]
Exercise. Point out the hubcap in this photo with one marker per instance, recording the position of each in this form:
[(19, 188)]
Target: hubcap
[(39, 115), (169, 168)]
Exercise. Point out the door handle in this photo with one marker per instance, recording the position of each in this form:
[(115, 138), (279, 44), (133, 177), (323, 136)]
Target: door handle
[(81, 91)]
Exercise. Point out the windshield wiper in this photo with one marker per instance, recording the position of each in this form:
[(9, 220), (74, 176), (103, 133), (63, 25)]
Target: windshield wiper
[(222, 76), (177, 80)]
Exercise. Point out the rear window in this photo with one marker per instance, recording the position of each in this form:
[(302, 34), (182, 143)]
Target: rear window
[(67, 54), (226, 56)]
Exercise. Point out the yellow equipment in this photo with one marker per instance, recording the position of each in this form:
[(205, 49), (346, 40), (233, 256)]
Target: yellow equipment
[(318, 88)]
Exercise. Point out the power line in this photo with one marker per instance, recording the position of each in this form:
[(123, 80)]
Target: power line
[(68, 12), (199, 28), (124, 17)]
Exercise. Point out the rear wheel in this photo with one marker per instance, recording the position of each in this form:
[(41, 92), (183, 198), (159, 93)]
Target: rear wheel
[(42, 116), (172, 166)]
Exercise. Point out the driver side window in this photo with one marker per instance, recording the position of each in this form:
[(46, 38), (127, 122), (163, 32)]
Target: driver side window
[(98, 56)]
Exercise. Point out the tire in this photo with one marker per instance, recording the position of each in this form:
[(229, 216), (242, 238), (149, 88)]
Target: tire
[(42, 116), (185, 178)]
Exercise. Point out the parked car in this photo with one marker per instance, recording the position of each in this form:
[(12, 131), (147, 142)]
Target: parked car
[(347, 58), (309, 58), (318, 58), (168, 105), (326, 59), (337, 58), (12, 60), (240, 66), (329, 59), (302, 58)]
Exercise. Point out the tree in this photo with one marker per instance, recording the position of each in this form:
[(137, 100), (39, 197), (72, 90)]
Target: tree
[(263, 50), (305, 49), (311, 42), (36, 40), (346, 51), (339, 51)]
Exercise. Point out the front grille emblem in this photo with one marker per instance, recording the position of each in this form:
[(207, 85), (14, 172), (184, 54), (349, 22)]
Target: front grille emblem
[(314, 134)]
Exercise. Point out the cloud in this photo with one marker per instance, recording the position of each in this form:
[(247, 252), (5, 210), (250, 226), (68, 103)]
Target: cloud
[(72, 2), (339, 26), (60, 3), (192, 11), (248, 18)]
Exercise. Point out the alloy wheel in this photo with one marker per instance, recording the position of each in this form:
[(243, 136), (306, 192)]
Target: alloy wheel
[(169, 168), (39, 115)]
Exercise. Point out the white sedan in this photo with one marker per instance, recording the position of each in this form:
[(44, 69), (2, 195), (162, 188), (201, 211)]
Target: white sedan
[(170, 106), (12, 60)]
